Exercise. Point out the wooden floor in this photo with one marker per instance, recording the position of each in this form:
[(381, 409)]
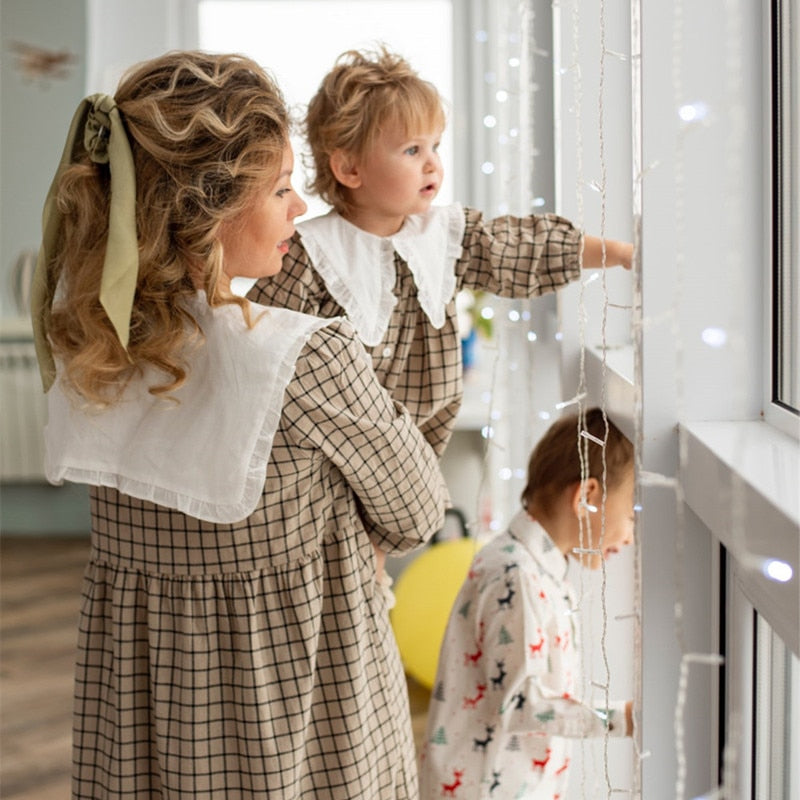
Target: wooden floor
[(40, 581)]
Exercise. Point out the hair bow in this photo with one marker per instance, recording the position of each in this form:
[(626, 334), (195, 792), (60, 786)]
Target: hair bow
[(97, 128)]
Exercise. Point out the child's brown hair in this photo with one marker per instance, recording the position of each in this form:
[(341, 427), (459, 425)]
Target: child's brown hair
[(563, 458), (364, 93)]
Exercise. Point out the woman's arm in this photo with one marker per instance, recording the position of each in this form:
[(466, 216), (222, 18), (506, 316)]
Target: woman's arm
[(336, 405)]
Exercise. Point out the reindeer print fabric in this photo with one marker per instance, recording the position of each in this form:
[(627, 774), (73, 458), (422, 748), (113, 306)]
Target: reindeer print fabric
[(503, 707)]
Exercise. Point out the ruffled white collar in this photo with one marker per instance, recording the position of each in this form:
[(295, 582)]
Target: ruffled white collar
[(358, 267), (207, 454)]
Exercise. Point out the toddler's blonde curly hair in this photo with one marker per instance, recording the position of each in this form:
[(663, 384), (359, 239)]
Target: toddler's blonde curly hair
[(364, 93)]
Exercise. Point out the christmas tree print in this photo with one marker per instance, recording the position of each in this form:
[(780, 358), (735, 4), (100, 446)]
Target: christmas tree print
[(504, 637), (440, 737), (439, 692), (464, 610), (513, 745)]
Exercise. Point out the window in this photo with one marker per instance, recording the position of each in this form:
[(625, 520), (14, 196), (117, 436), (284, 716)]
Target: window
[(776, 713), (785, 339), (276, 33)]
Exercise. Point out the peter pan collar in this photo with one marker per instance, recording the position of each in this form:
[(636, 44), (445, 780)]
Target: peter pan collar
[(207, 454), (358, 267)]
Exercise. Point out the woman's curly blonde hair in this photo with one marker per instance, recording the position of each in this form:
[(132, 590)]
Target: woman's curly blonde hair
[(364, 93), (206, 132)]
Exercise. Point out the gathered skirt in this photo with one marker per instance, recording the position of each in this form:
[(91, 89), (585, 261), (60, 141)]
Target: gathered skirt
[(205, 671)]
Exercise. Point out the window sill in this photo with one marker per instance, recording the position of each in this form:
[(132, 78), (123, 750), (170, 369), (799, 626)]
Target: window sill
[(611, 384), (741, 478)]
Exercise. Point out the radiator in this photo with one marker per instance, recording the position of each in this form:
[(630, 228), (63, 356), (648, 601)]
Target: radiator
[(23, 408)]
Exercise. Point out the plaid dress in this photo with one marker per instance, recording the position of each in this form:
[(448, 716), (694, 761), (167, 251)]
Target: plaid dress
[(418, 363), (255, 659)]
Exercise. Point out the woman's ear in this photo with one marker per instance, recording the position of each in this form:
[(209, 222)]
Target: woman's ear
[(344, 167)]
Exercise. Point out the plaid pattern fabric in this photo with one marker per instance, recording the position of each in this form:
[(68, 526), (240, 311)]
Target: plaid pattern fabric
[(418, 364), (255, 660)]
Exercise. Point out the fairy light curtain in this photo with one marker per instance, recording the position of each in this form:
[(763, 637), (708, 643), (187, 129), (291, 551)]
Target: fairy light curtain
[(512, 169)]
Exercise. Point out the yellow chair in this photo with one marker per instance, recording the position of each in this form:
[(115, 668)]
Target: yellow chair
[(424, 594)]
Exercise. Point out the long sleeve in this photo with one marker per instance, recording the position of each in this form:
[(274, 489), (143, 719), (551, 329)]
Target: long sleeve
[(537, 645), (335, 404), (518, 256)]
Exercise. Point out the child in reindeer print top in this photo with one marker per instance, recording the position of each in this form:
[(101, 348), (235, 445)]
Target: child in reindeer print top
[(503, 708)]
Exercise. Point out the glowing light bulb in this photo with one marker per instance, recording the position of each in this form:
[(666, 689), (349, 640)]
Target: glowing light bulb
[(501, 96), (693, 112), (487, 168), (481, 36), (545, 415), (777, 570), (513, 62), (538, 202), (489, 121), (714, 337), (532, 337), (514, 315), (487, 312), (505, 474)]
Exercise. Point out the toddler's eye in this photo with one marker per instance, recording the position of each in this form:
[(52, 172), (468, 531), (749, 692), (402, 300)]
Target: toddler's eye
[(413, 150)]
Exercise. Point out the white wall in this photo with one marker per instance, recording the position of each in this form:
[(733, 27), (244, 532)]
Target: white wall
[(35, 117)]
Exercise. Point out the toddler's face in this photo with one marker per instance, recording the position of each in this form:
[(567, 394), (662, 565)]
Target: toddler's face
[(617, 531), (402, 173)]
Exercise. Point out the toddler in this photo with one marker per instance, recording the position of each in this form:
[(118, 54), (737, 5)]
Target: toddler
[(503, 708), (388, 259)]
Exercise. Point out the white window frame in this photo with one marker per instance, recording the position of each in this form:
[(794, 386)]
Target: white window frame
[(775, 413)]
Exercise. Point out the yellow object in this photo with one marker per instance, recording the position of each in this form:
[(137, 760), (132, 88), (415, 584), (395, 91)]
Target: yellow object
[(425, 593)]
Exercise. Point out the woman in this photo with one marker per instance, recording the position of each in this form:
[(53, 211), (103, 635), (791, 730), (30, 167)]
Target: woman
[(232, 643)]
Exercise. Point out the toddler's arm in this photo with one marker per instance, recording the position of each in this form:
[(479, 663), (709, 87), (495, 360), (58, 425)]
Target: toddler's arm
[(529, 256)]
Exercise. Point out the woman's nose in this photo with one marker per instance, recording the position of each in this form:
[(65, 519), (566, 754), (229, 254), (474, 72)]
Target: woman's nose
[(298, 208)]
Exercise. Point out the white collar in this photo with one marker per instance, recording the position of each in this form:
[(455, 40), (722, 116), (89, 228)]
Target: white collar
[(539, 544), (358, 267), (206, 455)]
